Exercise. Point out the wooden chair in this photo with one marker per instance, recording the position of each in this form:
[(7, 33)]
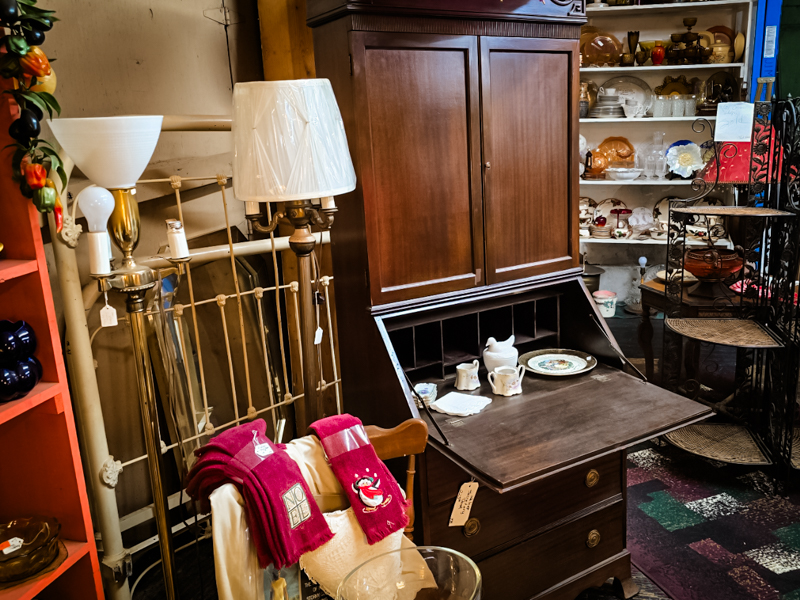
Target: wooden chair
[(407, 439)]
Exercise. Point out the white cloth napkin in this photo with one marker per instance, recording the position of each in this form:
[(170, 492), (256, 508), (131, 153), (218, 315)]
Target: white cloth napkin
[(460, 405)]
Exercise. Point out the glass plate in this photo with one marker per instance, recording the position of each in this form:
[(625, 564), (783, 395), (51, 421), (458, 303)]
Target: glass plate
[(603, 48), (632, 86)]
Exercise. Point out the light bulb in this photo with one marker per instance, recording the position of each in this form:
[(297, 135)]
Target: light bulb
[(96, 204), (642, 261)]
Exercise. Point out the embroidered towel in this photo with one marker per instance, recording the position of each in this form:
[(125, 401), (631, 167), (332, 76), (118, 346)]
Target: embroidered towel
[(376, 498), (281, 512)]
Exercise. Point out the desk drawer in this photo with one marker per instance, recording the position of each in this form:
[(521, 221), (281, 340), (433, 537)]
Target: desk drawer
[(538, 564), (504, 518)]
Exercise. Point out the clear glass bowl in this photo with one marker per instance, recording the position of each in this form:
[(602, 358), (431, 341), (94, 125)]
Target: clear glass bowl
[(431, 571)]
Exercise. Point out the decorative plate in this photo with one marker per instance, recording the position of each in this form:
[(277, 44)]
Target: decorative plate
[(720, 87), (674, 85), (661, 212), (604, 208), (557, 362), (706, 39), (586, 208), (632, 87), (618, 149), (688, 278), (722, 34), (738, 47)]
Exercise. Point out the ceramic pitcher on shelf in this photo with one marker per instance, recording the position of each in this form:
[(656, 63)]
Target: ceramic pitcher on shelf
[(500, 354)]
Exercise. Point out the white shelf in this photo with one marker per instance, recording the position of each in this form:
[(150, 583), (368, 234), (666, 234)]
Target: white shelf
[(665, 68), (652, 242), (648, 119), (665, 183), (654, 9)]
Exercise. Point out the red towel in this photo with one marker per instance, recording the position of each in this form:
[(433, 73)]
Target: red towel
[(373, 492), (281, 513)]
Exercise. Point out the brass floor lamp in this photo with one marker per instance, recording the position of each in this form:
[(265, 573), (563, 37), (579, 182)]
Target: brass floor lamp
[(113, 152), (290, 146)]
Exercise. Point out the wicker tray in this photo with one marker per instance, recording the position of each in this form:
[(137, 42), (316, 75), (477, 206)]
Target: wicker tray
[(719, 441), (740, 333)]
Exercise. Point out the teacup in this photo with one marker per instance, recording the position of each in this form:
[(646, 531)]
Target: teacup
[(467, 376), (506, 381)]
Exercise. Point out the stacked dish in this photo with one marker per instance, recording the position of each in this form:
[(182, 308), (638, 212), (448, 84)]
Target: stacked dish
[(607, 107), (603, 232)]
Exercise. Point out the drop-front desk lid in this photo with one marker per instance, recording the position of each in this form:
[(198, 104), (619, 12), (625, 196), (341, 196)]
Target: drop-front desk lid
[(557, 423)]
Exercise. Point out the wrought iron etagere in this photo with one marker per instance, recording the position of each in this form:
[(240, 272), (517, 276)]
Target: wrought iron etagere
[(755, 309)]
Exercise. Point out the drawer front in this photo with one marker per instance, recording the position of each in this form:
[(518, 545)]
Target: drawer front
[(538, 564), (504, 518)]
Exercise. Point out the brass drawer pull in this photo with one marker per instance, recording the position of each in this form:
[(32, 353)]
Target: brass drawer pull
[(593, 539), (471, 528), (592, 478)]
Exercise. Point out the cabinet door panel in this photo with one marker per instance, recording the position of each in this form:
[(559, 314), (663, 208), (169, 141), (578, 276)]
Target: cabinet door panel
[(530, 131), (419, 142)]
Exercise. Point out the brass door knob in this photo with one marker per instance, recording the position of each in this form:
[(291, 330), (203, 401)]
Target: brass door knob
[(487, 164), (471, 528), (593, 539), (592, 478)]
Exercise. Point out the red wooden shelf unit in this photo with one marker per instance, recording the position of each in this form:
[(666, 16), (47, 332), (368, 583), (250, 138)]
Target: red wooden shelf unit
[(40, 468)]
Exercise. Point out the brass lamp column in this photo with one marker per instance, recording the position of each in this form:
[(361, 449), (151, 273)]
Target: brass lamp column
[(134, 281)]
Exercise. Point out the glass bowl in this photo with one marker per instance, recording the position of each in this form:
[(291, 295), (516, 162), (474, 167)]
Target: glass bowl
[(37, 547), (401, 574)]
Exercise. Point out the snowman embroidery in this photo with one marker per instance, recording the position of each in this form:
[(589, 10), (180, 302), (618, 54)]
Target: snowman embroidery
[(370, 493), (262, 449)]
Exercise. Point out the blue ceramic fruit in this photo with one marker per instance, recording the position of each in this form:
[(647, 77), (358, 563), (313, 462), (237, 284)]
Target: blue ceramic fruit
[(9, 384), (17, 341), (29, 371)]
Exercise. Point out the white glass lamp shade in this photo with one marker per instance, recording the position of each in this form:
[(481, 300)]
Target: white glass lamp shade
[(289, 142), (111, 151)]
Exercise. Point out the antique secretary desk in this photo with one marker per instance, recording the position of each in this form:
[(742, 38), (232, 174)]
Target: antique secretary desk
[(462, 120)]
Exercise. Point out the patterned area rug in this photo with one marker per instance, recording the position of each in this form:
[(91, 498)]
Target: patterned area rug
[(705, 530)]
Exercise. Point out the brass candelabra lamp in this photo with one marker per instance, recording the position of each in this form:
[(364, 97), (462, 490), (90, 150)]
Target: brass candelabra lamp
[(290, 147)]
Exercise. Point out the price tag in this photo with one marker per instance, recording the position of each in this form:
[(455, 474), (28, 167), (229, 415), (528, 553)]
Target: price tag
[(463, 505), (318, 336), (11, 545), (108, 315)]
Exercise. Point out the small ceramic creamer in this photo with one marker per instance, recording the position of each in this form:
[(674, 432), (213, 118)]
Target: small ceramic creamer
[(500, 354), (506, 381), (467, 376)]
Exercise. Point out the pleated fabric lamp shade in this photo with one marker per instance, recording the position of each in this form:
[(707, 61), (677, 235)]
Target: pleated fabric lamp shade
[(289, 142)]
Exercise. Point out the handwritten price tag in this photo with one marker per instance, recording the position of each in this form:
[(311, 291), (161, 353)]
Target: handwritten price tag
[(734, 122), (463, 505)]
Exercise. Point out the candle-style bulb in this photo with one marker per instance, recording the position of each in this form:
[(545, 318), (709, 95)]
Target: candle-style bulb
[(96, 204)]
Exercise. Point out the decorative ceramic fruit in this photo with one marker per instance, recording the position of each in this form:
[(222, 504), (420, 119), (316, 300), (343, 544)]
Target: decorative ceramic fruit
[(600, 221), (46, 83), (9, 11)]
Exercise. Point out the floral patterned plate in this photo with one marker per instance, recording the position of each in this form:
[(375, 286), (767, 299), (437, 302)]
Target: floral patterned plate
[(556, 362)]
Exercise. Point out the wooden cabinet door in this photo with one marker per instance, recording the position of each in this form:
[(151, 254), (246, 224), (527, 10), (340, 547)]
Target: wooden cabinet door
[(418, 139), (529, 93)]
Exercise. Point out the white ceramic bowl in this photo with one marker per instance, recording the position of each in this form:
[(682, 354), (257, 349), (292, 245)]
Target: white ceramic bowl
[(623, 174), (111, 151)]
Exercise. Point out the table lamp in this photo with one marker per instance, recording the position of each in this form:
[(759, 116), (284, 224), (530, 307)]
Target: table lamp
[(113, 152), (290, 146)]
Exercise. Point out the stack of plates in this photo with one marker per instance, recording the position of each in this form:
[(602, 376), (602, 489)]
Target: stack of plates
[(601, 232), (607, 107)]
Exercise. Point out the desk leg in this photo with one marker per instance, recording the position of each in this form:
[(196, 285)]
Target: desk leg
[(646, 340), (691, 361)]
